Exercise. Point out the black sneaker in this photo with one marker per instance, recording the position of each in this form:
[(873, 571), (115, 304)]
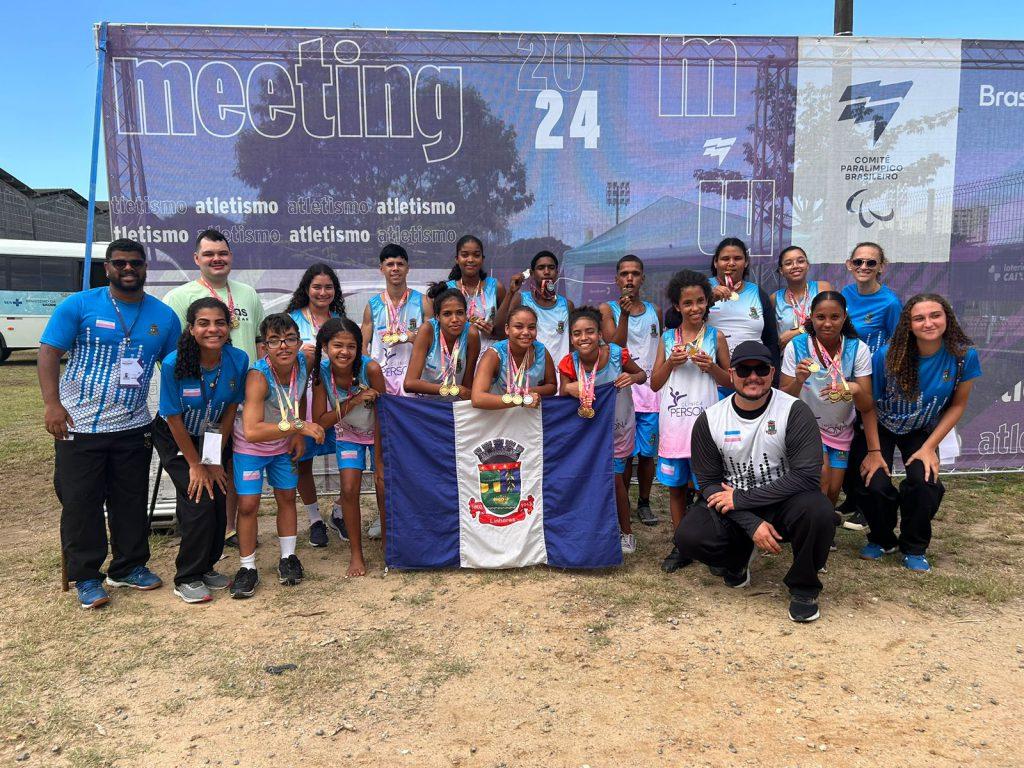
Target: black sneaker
[(244, 583), (674, 561), (855, 522), (231, 541), (289, 571), (738, 580), (337, 522), (645, 515), (803, 609), (318, 534)]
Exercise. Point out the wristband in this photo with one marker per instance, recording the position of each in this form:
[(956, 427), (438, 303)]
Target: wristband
[(874, 450)]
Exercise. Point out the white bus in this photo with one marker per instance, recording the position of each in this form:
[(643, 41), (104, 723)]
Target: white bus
[(36, 276)]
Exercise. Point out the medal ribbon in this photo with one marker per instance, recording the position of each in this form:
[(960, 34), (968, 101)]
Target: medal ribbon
[(472, 300), (800, 311), (227, 287), (394, 310), (350, 392), (312, 321), (834, 365), (587, 383), (517, 380), (692, 346), (290, 401), (449, 361)]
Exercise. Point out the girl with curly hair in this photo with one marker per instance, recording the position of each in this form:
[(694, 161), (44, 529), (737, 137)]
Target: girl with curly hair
[(921, 382)]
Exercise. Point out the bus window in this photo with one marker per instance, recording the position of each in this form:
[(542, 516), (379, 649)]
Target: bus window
[(97, 274), (58, 275)]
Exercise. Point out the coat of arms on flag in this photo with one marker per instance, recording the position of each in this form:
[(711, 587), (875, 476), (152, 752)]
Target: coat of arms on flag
[(500, 484)]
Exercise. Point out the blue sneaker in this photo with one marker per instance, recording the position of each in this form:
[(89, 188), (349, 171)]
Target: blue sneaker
[(872, 551), (140, 578), (91, 593), (916, 563)]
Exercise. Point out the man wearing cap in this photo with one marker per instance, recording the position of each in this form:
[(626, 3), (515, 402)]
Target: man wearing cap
[(757, 457)]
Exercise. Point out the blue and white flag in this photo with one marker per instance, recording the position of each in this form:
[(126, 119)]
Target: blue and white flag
[(499, 489)]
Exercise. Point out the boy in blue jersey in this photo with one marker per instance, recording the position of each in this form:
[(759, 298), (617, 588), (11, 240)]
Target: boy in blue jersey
[(98, 416)]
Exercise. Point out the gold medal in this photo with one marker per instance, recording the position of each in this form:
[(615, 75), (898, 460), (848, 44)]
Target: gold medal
[(734, 296), (835, 396), (234, 323), (444, 390), (802, 329), (813, 367), (506, 398), (517, 399), (403, 337), (589, 412), (387, 338), (284, 425), (527, 399), (847, 396), (298, 424), (582, 412)]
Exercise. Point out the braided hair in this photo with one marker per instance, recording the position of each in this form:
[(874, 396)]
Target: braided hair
[(902, 358), (300, 299), (847, 330), (187, 364), (456, 273), (328, 331)]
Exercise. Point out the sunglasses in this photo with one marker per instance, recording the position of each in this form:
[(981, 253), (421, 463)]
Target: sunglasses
[(135, 264), (743, 370), (869, 263)]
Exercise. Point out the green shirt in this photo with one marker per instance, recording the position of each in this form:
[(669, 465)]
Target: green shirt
[(248, 310)]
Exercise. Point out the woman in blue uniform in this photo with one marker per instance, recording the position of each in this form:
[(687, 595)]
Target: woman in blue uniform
[(483, 294), (446, 349)]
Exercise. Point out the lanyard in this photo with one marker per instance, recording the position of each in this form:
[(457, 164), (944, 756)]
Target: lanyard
[(587, 383), (799, 307), (471, 300), (834, 365), (127, 329), (286, 402), (312, 321), (231, 301), (394, 310), (207, 401), (350, 392), (449, 359), (517, 379)]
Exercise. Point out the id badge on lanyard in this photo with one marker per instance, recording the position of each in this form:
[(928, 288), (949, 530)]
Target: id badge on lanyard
[(212, 447), (130, 370)]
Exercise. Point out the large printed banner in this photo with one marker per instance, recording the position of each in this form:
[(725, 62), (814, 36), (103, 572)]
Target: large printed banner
[(307, 145)]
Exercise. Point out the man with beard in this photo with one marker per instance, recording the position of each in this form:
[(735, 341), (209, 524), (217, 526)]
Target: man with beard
[(98, 416), (757, 456)]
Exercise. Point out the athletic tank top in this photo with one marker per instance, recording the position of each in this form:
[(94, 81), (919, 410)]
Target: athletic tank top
[(271, 412), (685, 396), (785, 317), (486, 306), (642, 343), (535, 374), (432, 367), (753, 450), (359, 424), (552, 324), (740, 320), (624, 431), (394, 359)]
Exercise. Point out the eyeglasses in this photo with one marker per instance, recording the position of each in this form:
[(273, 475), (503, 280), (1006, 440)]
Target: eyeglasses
[(124, 263), (869, 263), (288, 341), (743, 370)]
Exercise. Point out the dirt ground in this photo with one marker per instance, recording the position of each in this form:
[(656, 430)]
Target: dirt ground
[(528, 668)]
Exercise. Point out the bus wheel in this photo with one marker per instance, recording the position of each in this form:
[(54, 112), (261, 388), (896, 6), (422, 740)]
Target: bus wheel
[(5, 351)]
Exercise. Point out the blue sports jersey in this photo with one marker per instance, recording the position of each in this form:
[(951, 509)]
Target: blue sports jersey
[(740, 320), (535, 374), (936, 375), (486, 304), (785, 317), (874, 315), (88, 327), (306, 330), (433, 369), (552, 324), (203, 401)]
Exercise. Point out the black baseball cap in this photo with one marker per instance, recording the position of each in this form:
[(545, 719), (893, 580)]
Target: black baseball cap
[(750, 351)]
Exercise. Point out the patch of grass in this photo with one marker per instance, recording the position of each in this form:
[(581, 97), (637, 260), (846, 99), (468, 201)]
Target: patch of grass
[(443, 670)]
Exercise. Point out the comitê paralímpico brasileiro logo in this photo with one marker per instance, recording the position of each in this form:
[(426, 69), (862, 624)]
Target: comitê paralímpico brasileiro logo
[(500, 501)]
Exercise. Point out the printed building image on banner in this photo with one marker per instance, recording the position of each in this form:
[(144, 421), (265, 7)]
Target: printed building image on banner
[(876, 135)]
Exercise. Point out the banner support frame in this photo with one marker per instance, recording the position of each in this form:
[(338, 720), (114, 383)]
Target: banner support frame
[(90, 222)]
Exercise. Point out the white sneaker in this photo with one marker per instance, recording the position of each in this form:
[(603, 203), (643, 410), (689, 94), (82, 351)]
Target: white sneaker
[(628, 541), (374, 530)]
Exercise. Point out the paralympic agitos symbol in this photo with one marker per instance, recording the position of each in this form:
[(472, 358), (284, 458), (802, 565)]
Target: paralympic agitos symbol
[(863, 213), (500, 501)]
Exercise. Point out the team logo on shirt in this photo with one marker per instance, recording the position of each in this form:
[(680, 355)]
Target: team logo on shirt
[(153, 330), (770, 429), (945, 375), (869, 317), (654, 330), (754, 314), (412, 323), (560, 328), (500, 501)]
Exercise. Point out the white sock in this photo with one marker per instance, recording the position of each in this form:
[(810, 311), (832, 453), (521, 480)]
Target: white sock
[(313, 510), (287, 546), (249, 561)]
